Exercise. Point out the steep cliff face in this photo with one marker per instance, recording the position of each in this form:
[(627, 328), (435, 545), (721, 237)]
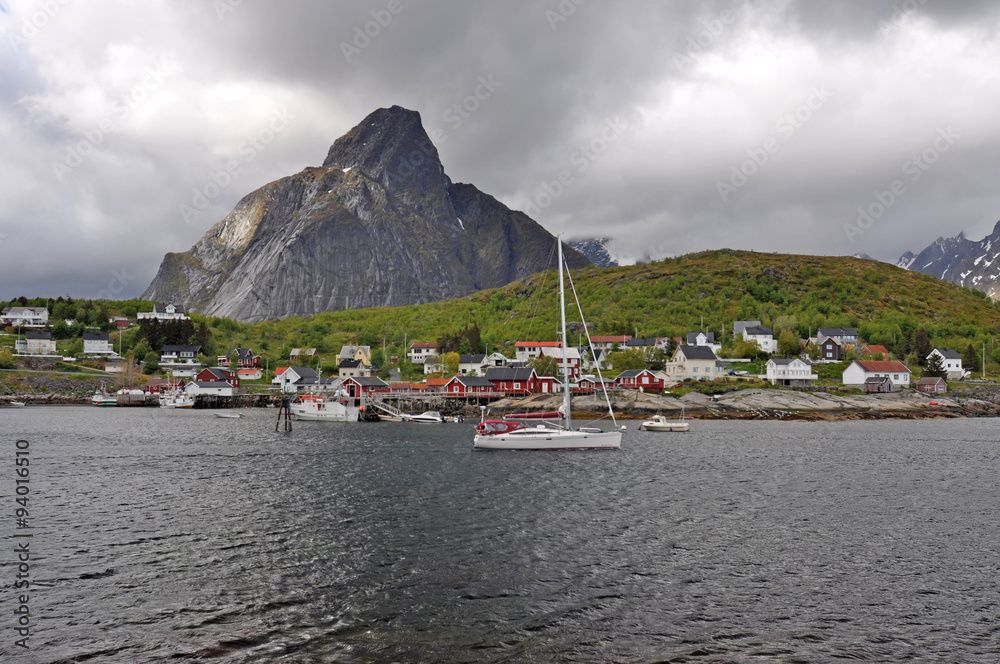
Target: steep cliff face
[(379, 224), (966, 262)]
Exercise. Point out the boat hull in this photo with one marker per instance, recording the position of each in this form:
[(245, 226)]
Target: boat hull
[(330, 411), (665, 426), (539, 439)]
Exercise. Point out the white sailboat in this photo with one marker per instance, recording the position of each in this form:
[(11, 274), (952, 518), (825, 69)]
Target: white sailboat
[(550, 437)]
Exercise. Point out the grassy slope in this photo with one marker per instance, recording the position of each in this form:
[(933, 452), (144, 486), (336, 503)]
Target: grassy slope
[(666, 298)]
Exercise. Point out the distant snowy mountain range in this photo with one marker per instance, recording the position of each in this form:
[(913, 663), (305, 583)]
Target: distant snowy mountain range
[(596, 249), (971, 263)]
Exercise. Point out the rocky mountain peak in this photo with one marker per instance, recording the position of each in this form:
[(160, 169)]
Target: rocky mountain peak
[(391, 147), (971, 263)]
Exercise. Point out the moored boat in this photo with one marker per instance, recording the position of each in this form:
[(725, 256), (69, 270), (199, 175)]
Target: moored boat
[(660, 423), (318, 408), (102, 398), (427, 417)]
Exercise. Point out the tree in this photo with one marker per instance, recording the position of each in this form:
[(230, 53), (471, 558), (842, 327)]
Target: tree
[(789, 343), (921, 345), (970, 359), (449, 364), (129, 376), (783, 323), (934, 368), (545, 366), (6, 359), (140, 350), (624, 360), (151, 363)]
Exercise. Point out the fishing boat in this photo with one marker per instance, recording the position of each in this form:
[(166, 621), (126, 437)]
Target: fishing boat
[(319, 408), (427, 417), (546, 435), (102, 398), (660, 423)]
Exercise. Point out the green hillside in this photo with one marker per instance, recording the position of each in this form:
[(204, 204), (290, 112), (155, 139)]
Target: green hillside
[(666, 298)]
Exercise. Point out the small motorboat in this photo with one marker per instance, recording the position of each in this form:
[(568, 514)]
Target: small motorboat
[(660, 423), (17, 404), (427, 417), (229, 415)]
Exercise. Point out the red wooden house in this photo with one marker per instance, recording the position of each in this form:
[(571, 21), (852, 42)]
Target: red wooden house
[(357, 386), (514, 381), (464, 386), (243, 358), (217, 375), (635, 379)]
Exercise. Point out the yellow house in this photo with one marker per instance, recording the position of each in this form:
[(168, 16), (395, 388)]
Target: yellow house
[(362, 354), (698, 362)]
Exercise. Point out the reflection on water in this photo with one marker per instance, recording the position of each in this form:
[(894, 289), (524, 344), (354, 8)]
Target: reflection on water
[(170, 536)]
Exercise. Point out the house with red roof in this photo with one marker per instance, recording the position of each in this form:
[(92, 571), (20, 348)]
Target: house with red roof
[(466, 386), (860, 372), (421, 350), (532, 350)]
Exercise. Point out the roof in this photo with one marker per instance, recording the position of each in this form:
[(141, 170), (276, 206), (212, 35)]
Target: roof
[(632, 373), (612, 339), (248, 371), (471, 358), (37, 334), (740, 325), (304, 372), (537, 344), (350, 364), (423, 344), (437, 382), (837, 332), (95, 336), (162, 308), (697, 352), (755, 331), (180, 349), (218, 373), (349, 351), (692, 337), (242, 353), (930, 381), (281, 370), (948, 353), (571, 353), (875, 348), (784, 361), (19, 311), (210, 383), (882, 366), (876, 379), (825, 339), (473, 381), (369, 382), (641, 341), (303, 351), (496, 374)]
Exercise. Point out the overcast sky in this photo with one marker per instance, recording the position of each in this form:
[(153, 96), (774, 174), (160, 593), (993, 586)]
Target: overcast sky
[(670, 126)]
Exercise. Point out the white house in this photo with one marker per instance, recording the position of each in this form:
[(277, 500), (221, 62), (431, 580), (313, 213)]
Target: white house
[(36, 342), (572, 360), (97, 343), (221, 389), (182, 361), (860, 371), (698, 362), (304, 379), (793, 372), (421, 350), (951, 360), (740, 325), (763, 336), (164, 312), (471, 363), (25, 316), (353, 369), (847, 337), (703, 339), (532, 350)]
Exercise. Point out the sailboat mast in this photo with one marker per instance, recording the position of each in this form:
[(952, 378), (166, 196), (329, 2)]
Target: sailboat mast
[(565, 352)]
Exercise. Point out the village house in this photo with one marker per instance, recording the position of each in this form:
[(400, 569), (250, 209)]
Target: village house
[(873, 352), (471, 364), (532, 350), (36, 342), (420, 350), (789, 372), (514, 381), (250, 374), (161, 385), (303, 379), (432, 364), (120, 322), (592, 384), (951, 361), (647, 345), (217, 388), (698, 362), (859, 371), (830, 349), (164, 312), (591, 361), (298, 354), (25, 316), (609, 342), (353, 369), (762, 336), (463, 386), (97, 343), (363, 386), (740, 325), (570, 361), (239, 357), (847, 337), (217, 375), (935, 385), (180, 360), (363, 353), (640, 379), (703, 339)]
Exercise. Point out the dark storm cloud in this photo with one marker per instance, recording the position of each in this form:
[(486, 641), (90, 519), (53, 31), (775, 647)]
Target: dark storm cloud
[(669, 126)]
